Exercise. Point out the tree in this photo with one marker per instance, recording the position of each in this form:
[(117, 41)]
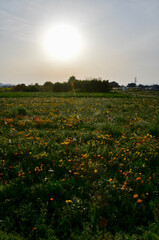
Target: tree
[(114, 84), (20, 88), (131, 85), (72, 79), (58, 87), (48, 86)]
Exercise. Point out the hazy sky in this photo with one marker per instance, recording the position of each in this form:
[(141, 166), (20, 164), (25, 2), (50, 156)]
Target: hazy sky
[(120, 40)]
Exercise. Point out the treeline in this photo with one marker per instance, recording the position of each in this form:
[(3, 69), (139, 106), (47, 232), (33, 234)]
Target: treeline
[(94, 85)]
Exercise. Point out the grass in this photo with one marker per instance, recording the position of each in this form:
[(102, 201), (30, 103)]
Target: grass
[(62, 94), (78, 167)]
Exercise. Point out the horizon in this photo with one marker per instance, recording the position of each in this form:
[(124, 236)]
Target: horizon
[(126, 85), (115, 40)]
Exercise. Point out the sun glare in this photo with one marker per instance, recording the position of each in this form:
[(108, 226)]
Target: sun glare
[(62, 42)]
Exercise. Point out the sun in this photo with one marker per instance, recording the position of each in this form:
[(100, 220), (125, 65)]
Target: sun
[(62, 42)]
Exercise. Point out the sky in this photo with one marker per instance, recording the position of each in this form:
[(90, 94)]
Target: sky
[(120, 40)]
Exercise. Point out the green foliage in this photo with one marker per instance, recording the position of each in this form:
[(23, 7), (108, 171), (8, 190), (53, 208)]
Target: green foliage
[(94, 85), (154, 128), (78, 168), (9, 236), (16, 111), (63, 94)]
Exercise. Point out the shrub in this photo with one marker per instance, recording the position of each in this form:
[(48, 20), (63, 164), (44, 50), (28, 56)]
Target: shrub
[(18, 111)]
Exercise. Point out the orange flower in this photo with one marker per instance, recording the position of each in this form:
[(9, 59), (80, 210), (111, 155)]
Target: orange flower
[(34, 228), (138, 178), (135, 195), (51, 199), (110, 180), (139, 201)]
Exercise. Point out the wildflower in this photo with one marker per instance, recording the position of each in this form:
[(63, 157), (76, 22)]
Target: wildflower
[(34, 228), (95, 171), (110, 180), (68, 201), (51, 199), (135, 195), (99, 197), (138, 178), (139, 201)]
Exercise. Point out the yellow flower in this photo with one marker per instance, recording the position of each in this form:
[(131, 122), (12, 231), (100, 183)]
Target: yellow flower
[(95, 171), (68, 201)]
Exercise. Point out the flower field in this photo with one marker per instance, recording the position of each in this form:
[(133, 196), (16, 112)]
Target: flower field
[(79, 168)]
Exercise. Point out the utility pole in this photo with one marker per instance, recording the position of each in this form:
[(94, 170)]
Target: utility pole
[(135, 80)]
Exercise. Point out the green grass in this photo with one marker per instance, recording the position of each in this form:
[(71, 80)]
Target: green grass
[(9, 236), (78, 167), (62, 94)]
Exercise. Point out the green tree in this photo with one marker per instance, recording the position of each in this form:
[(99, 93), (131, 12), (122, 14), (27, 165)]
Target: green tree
[(72, 79)]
